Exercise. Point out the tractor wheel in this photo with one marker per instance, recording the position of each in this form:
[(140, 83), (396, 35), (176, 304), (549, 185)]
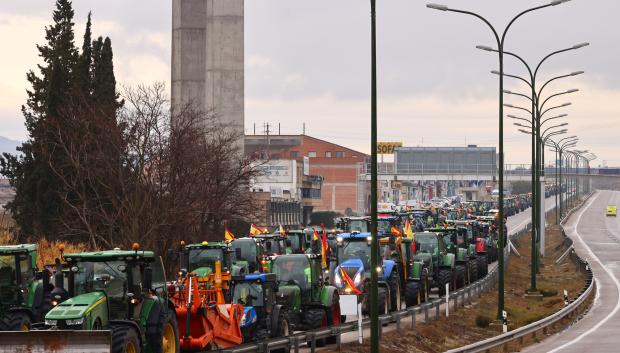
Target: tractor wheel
[(382, 303), (460, 276), (15, 322), (445, 277), (473, 270), (482, 266), (395, 293), (165, 338), (333, 316), (283, 330), (425, 288), (412, 294), (125, 340), (315, 319)]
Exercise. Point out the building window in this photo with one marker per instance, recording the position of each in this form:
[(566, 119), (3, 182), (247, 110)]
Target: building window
[(339, 154), (312, 154), (328, 154), (294, 154)]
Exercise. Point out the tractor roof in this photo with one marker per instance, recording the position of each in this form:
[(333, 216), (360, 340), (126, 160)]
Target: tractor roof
[(110, 255), (15, 249), (256, 277), (208, 245), (354, 236)]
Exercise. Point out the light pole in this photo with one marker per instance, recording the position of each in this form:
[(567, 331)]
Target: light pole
[(374, 256), (500, 49), (559, 147)]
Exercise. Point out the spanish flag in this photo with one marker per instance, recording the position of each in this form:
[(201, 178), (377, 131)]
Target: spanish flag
[(395, 231), (228, 236), (324, 248), (282, 231), (254, 230), (408, 230), (315, 235)]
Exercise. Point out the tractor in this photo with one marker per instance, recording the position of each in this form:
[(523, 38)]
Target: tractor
[(451, 241), (413, 273), (248, 256), (432, 251), (262, 317), (466, 239), (309, 302), (123, 291), (24, 292), (351, 275)]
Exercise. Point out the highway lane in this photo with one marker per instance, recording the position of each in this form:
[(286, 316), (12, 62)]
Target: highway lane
[(515, 224), (596, 238)]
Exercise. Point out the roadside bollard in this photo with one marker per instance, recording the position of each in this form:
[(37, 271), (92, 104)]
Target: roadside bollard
[(504, 321), (565, 297), (447, 300)]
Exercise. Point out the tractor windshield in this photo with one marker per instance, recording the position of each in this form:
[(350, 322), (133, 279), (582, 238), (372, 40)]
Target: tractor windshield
[(205, 258), (273, 247), (295, 242), (358, 225), (384, 226), (428, 243), (8, 280), (294, 269), (101, 276), (248, 294), (245, 250), (355, 250)]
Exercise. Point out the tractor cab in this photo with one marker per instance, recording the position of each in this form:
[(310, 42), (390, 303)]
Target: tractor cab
[(201, 258), (354, 224), (247, 256), (389, 225), (257, 294), (432, 251), (273, 244), (23, 297), (298, 241)]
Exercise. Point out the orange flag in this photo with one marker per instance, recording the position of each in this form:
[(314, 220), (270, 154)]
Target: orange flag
[(396, 231), (282, 231), (324, 248), (408, 230), (315, 235), (228, 235)]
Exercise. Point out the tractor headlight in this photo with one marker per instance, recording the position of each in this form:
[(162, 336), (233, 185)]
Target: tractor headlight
[(51, 322), (358, 279), (337, 279), (75, 322)]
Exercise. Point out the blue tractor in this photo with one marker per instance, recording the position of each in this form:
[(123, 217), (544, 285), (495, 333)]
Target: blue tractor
[(351, 275)]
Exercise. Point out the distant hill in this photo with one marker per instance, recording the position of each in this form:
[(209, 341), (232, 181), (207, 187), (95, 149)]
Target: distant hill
[(8, 145)]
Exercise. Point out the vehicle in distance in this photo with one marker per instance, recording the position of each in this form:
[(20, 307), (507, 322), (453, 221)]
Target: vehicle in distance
[(612, 210)]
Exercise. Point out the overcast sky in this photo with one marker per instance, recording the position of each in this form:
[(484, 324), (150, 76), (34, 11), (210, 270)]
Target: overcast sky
[(308, 61)]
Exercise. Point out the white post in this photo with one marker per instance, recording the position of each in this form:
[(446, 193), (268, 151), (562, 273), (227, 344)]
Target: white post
[(543, 220), (447, 299), (360, 335), (504, 321)]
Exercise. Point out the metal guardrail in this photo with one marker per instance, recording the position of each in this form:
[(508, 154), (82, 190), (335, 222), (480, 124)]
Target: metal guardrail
[(544, 324)]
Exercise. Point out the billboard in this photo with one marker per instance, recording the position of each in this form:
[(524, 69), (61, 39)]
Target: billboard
[(388, 147), (278, 171)]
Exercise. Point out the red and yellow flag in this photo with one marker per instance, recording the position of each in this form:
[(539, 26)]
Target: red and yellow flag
[(395, 231), (408, 230), (228, 235), (282, 231), (315, 235), (254, 230), (324, 248)]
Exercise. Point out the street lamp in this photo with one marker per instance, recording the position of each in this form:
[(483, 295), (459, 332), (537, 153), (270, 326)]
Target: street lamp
[(374, 257), (500, 49)]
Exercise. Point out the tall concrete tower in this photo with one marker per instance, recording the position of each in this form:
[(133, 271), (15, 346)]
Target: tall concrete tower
[(208, 57)]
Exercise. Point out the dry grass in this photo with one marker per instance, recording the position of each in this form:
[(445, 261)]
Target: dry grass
[(48, 250), (463, 326)]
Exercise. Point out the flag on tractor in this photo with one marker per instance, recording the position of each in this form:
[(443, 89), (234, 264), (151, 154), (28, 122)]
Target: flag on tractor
[(315, 235), (282, 231), (254, 230), (228, 235), (324, 248), (408, 230), (395, 231)]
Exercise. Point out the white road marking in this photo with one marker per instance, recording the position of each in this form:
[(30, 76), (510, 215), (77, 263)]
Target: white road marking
[(609, 273)]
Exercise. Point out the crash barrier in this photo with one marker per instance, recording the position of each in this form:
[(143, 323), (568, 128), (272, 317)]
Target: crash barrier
[(571, 311), (50, 341), (410, 317)]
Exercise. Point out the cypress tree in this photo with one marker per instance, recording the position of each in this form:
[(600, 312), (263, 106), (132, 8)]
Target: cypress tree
[(83, 70)]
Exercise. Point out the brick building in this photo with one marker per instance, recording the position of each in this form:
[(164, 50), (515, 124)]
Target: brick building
[(337, 165)]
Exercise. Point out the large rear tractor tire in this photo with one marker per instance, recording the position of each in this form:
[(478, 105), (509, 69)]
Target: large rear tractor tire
[(165, 339), (315, 319), (395, 292), (412, 293), (15, 322), (382, 303), (482, 266), (445, 277), (125, 340), (473, 270), (460, 276)]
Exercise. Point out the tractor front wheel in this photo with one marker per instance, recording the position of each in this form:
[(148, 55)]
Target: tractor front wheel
[(314, 319), (166, 338), (445, 277), (395, 294), (15, 322), (412, 294), (473, 270), (382, 303), (483, 266), (125, 340), (460, 276)]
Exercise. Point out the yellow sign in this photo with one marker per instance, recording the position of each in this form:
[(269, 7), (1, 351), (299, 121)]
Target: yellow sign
[(388, 147)]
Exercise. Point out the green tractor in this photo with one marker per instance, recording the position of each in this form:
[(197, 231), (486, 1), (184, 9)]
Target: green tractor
[(441, 264), (304, 293), (455, 244), (200, 258), (413, 273), (122, 291), (24, 293), (247, 257)]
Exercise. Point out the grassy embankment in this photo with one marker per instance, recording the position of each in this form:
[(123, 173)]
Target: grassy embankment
[(477, 322)]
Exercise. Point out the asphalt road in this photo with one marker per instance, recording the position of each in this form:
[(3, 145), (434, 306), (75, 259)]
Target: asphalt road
[(515, 224), (597, 239)]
